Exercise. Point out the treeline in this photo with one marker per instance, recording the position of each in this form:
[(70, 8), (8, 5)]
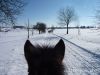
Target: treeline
[(82, 27)]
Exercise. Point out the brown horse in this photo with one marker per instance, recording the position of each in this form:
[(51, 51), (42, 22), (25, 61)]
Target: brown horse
[(45, 60)]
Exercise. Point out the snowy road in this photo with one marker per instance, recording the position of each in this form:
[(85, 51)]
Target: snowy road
[(81, 61), (78, 60)]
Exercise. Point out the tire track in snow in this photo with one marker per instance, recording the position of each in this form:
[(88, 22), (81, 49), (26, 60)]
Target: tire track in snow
[(85, 67), (85, 64)]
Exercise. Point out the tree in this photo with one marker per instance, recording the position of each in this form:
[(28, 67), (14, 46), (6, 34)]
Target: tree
[(66, 16), (41, 27), (9, 9)]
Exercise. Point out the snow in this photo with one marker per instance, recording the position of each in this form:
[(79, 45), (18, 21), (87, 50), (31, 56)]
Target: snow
[(84, 49), (82, 55)]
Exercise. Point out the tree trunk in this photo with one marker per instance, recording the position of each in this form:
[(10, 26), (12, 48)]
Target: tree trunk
[(67, 28), (39, 31)]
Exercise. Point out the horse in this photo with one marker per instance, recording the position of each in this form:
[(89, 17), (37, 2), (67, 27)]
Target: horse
[(45, 60)]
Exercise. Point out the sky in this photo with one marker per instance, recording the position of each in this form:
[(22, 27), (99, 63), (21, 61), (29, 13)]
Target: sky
[(46, 11)]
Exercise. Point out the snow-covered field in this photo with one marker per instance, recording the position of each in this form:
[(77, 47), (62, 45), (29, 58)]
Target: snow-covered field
[(82, 55)]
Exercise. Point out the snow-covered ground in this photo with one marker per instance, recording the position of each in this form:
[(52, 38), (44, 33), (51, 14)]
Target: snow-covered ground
[(82, 55)]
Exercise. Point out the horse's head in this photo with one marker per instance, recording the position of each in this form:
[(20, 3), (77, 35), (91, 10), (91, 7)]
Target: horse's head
[(44, 60)]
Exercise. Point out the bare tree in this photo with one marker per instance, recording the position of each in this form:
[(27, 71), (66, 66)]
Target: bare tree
[(9, 9), (66, 16)]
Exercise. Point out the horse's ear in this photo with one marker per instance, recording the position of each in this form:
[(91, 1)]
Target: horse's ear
[(28, 49), (60, 50), (28, 52)]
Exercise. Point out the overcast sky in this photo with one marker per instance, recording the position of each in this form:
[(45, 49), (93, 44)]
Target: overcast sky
[(47, 11)]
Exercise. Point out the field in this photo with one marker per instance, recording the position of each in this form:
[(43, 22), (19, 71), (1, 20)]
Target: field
[(82, 55)]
